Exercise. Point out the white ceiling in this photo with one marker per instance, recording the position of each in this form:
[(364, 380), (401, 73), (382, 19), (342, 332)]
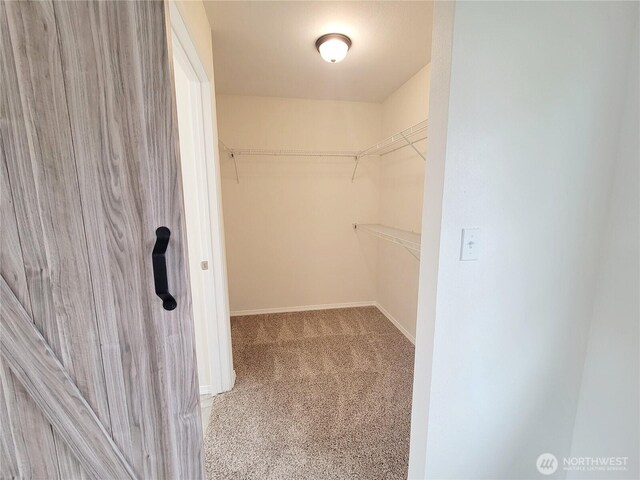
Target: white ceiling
[(268, 48)]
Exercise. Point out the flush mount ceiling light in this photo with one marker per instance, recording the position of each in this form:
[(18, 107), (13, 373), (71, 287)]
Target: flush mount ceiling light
[(333, 47)]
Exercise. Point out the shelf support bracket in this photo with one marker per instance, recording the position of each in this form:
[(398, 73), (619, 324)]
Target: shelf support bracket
[(355, 167), (413, 146), (232, 156), (235, 166), (417, 257)]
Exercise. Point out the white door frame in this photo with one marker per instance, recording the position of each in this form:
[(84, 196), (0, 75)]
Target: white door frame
[(441, 57), (218, 327)]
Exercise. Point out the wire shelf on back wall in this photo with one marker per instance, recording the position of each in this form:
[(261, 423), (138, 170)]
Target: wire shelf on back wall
[(406, 138), (291, 153)]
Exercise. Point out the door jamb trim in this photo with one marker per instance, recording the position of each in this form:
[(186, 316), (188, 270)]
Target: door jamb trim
[(218, 326)]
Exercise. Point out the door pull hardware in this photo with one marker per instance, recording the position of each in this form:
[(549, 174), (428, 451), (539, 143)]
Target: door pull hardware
[(160, 268)]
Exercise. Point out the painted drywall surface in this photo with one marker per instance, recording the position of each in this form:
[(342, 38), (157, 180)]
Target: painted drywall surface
[(408, 105), (608, 422), (535, 96), (195, 19), (266, 48), (400, 201), (289, 237)]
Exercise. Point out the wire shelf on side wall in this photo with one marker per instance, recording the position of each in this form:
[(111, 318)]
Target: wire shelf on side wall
[(409, 240)]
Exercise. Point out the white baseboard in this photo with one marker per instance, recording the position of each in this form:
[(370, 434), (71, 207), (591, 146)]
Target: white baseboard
[(410, 337), (329, 306), (303, 308)]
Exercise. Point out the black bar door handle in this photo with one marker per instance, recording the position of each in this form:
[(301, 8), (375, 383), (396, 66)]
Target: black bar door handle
[(160, 268)]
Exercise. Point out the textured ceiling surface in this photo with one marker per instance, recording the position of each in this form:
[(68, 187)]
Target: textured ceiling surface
[(268, 48)]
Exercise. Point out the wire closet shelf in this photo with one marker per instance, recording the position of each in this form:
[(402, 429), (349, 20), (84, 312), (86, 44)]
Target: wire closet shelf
[(405, 138), (409, 240)]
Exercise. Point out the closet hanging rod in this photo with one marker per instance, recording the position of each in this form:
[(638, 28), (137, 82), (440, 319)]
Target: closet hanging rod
[(290, 153), (405, 138), (233, 152)]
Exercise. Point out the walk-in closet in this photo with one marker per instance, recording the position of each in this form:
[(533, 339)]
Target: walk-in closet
[(322, 166), (318, 240)]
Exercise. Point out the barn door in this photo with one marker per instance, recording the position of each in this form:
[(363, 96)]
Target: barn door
[(97, 376)]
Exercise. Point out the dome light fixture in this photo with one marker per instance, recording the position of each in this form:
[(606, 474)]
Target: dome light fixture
[(333, 47)]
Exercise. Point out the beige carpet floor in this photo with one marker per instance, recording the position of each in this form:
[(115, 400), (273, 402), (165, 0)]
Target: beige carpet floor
[(319, 395)]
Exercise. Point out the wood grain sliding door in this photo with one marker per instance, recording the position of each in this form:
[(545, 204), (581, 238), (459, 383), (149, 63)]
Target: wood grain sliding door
[(97, 379)]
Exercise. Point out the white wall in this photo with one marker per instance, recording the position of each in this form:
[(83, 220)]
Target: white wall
[(288, 221), (195, 19), (289, 237), (535, 97), (607, 421), (400, 201)]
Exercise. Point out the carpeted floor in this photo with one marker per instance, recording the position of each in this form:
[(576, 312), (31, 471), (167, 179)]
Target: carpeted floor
[(319, 395)]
